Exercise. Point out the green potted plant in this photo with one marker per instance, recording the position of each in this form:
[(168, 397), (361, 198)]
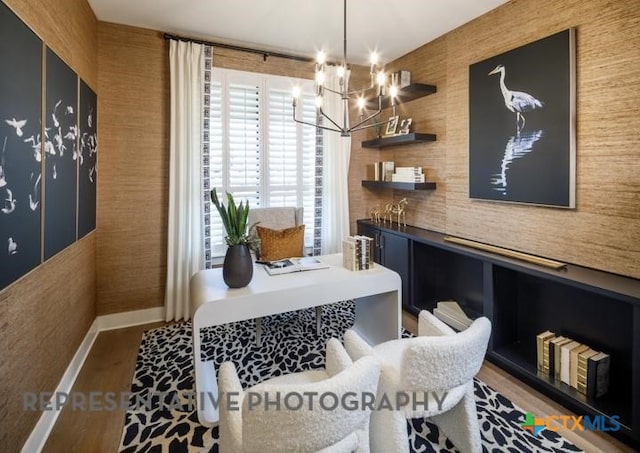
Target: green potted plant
[(237, 270)]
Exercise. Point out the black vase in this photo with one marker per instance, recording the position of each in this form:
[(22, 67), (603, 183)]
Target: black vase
[(237, 269)]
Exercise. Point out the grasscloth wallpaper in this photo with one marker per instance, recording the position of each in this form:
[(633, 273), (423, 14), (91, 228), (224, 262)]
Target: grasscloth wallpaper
[(45, 315), (604, 231)]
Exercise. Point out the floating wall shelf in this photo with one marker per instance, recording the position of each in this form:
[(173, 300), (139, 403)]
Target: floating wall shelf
[(405, 94), (397, 140), (399, 185)]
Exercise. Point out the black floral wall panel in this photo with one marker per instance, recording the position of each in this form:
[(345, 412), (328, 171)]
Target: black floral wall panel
[(60, 155), (20, 147), (87, 160)]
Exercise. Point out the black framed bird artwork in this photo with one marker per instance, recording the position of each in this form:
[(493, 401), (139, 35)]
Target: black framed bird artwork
[(522, 124)]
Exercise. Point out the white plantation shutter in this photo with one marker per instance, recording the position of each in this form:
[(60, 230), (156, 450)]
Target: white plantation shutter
[(258, 153)]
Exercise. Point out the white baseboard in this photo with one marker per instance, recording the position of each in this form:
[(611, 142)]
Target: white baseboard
[(40, 433), (130, 318)]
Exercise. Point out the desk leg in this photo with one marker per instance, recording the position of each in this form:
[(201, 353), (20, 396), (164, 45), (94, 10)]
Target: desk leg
[(206, 384), (318, 320), (258, 331), (378, 317)]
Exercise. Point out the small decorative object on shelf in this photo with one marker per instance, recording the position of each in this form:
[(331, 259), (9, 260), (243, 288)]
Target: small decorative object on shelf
[(374, 214), (401, 78), (405, 126), (398, 210), (388, 214), (392, 125)]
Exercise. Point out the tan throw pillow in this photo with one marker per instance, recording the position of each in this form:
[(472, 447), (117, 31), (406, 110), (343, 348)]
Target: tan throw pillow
[(280, 244)]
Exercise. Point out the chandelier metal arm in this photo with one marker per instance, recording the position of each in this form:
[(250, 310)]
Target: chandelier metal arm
[(340, 128), (359, 125), (319, 126)]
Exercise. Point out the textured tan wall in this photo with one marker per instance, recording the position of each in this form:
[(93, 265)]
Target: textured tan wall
[(45, 315), (604, 231), (133, 124)]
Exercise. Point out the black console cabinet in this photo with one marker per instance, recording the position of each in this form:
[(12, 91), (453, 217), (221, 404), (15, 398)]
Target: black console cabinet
[(392, 251), (521, 300)]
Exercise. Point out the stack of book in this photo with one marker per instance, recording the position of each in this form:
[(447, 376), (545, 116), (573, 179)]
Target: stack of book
[(573, 363), (381, 171), (357, 253), (408, 174), (450, 313)]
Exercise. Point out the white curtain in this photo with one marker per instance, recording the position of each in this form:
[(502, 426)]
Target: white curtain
[(335, 187), (185, 244)]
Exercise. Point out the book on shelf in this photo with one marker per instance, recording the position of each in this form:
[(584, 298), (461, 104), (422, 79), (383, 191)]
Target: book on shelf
[(450, 313), (540, 338), (380, 171), (387, 170), (598, 375), (289, 265), (372, 172), (583, 361), (546, 355), (409, 171), (565, 358), (557, 343), (396, 177), (573, 364)]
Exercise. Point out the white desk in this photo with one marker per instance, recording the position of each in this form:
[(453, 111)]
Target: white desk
[(377, 295)]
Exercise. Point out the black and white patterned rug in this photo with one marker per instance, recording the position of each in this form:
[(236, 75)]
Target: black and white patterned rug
[(164, 367)]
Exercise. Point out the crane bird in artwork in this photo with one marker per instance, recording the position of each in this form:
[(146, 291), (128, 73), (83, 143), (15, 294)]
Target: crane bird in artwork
[(516, 101)]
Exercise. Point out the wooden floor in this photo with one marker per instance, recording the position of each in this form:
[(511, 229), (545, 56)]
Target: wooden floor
[(110, 364)]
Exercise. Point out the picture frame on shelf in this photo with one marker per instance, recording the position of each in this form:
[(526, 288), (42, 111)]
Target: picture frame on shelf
[(392, 125), (405, 126)]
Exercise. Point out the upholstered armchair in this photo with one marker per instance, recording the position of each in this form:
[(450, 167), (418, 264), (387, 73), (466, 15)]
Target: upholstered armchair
[(247, 424), (436, 370)]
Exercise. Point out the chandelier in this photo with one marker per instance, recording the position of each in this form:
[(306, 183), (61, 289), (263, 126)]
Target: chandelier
[(357, 97)]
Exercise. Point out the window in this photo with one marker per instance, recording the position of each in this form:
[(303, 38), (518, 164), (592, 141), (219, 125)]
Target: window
[(257, 152)]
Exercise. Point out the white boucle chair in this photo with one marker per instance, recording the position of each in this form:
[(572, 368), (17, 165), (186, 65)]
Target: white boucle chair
[(439, 360), (269, 429)]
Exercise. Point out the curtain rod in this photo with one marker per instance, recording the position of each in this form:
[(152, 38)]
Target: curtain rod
[(264, 53)]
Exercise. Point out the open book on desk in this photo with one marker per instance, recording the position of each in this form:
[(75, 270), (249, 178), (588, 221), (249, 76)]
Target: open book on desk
[(289, 265)]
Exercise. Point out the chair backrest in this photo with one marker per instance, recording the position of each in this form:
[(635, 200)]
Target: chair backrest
[(276, 218), (444, 362), (316, 424)]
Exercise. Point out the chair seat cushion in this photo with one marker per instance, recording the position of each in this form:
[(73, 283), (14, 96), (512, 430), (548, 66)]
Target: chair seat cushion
[(303, 377), (280, 244)]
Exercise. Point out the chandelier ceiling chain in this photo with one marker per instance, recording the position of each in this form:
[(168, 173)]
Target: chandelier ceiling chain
[(378, 80)]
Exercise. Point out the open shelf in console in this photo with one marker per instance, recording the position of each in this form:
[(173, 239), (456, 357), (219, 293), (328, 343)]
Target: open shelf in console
[(525, 305), (441, 275)]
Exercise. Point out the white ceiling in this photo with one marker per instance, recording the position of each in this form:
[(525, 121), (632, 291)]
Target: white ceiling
[(301, 27)]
